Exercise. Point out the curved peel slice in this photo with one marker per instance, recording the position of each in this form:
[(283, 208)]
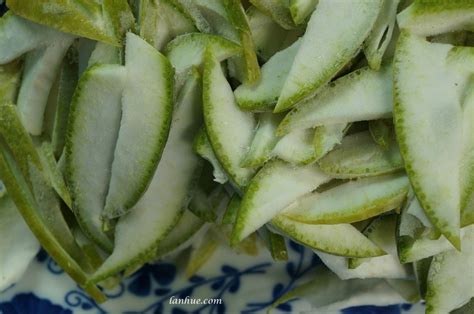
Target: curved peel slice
[(340, 239), (450, 278), (163, 20), (467, 185), (18, 36), (67, 83), (416, 237), (350, 202), (264, 94), (230, 129), (203, 148), (428, 111), (103, 21), (382, 231), (56, 178), (236, 16), (327, 293), (187, 50), (277, 10), (359, 96), (296, 147), (10, 79), (326, 137), (92, 134), (161, 207), (268, 36), (147, 105), (382, 132), (19, 167), (386, 266), (359, 156), (301, 9), (263, 142), (381, 34), (182, 236), (17, 244), (335, 32), (273, 188), (41, 69), (432, 17)]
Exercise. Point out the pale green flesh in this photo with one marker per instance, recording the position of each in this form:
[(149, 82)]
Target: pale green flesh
[(105, 53), (18, 36), (263, 141), (10, 79), (268, 36), (329, 294), (379, 39), (230, 129), (90, 144), (359, 156), (264, 94), (161, 207), (147, 102), (90, 21), (181, 236), (350, 202), (339, 239), (449, 286), (17, 240), (273, 188), (359, 96), (277, 10), (187, 50), (427, 18), (41, 68), (296, 147), (381, 231), (428, 111), (302, 9), (203, 148), (161, 21), (326, 137), (334, 34)]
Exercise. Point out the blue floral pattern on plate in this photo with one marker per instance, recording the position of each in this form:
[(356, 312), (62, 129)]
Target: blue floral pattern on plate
[(244, 284)]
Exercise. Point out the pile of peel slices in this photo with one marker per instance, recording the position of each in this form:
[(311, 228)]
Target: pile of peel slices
[(131, 130)]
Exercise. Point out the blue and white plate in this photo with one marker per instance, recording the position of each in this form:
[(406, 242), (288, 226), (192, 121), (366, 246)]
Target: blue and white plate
[(239, 283)]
